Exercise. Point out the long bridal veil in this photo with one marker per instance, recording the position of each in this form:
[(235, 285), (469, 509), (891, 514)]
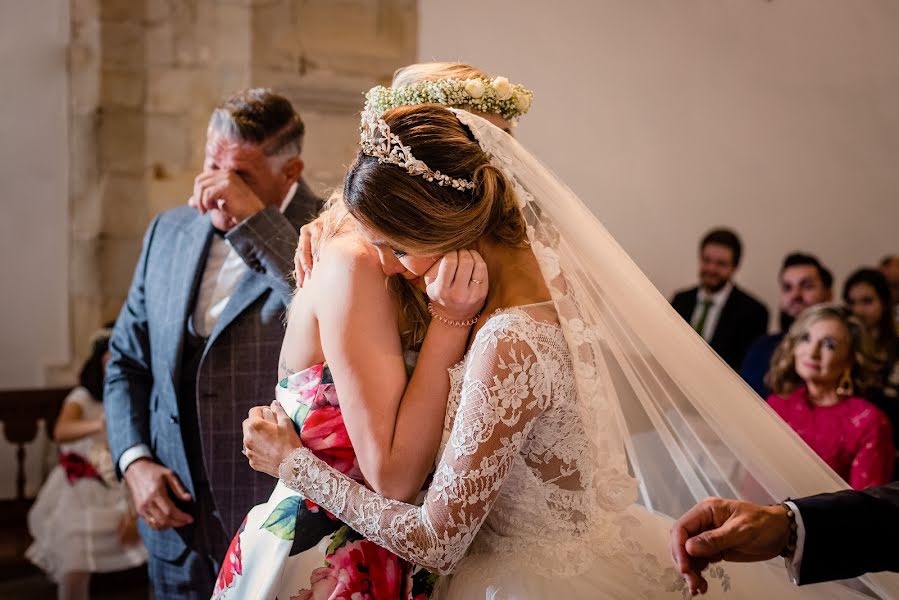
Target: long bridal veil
[(671, 419)]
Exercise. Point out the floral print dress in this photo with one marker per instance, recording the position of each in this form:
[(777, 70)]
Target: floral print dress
[(290, 548)]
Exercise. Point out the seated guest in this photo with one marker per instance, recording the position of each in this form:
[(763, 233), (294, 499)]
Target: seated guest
[(727, 318), (804, 281), (81, 521), (889, 266), (867, 294), (819, 375)]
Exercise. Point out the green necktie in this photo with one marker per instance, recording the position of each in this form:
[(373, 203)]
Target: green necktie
[(700, 324)]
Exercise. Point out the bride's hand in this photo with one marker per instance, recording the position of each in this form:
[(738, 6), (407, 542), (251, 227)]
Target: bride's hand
[(268, 437), (457, 284)]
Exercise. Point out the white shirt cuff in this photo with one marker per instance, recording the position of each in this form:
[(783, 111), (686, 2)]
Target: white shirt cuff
[(132, 454), (794, 564)]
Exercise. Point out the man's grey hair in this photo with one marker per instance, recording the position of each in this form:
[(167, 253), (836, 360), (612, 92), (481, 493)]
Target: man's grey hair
[(260, 116)]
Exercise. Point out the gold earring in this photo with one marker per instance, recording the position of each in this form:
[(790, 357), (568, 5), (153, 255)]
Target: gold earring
[(845, 387)]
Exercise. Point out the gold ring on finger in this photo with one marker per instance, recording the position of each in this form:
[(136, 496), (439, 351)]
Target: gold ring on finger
[(477, 281)]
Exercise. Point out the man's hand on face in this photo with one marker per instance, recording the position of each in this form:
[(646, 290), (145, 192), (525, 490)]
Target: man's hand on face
[(226, 192)]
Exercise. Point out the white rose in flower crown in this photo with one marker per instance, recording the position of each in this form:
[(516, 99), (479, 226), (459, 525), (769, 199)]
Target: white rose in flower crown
[(522, 102), (502, 87), (474, 88)]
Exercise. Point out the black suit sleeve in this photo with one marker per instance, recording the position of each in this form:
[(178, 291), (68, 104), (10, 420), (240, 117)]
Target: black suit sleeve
[(849, 533), (267, 242)]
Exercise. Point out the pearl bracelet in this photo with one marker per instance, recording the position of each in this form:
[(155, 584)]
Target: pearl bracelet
[(445, 321)]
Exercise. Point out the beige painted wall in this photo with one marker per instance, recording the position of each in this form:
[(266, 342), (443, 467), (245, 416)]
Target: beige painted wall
[(34, 234), (104, 110), (779, 118)]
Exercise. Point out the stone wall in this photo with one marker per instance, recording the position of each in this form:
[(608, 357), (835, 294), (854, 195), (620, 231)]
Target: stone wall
[(145, 75)]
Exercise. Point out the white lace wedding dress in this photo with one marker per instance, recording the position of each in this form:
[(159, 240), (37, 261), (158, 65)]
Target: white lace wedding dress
[(519, 506)]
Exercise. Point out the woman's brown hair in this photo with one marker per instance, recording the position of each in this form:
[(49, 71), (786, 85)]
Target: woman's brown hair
[(412, 301), (420, 216)]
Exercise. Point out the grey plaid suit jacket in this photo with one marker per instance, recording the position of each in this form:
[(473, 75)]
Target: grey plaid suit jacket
[(239, 366)]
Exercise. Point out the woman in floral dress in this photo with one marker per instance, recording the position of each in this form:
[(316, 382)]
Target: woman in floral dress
[(385, 424)]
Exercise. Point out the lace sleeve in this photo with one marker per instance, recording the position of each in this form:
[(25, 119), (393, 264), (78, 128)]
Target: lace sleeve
[(504, 390)]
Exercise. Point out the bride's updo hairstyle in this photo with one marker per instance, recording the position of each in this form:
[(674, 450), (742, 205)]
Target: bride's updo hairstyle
[(420, 216)]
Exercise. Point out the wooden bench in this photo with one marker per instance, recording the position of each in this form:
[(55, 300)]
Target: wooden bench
[(20, 413)]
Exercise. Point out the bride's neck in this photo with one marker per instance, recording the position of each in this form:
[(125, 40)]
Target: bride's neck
[(515, 277)]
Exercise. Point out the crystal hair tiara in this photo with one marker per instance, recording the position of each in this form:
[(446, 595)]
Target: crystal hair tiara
[(376, 140), (498, 96)]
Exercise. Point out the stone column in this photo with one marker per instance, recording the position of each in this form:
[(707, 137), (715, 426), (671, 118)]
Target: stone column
[(145, 75)]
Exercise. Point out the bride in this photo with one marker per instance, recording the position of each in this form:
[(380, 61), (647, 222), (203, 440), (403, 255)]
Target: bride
[(545, 486)]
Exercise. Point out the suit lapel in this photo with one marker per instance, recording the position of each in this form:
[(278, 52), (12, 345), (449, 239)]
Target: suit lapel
[(685, 304), (726, 317), (248, 289), (187, 270), (303, 206), (691, 305)]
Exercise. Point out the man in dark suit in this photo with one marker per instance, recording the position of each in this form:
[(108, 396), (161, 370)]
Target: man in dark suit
[(823, 538), (197, 343), (728, 318), (804, 282)]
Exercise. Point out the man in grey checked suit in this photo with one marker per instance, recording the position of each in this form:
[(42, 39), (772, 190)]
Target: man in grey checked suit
[(197, 343)]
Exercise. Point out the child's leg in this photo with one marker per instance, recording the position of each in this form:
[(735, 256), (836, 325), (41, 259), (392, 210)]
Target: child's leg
[(75, 585)]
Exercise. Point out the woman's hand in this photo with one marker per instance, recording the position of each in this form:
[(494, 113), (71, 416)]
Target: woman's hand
[(303, 258), (268, 437), (457, 284)]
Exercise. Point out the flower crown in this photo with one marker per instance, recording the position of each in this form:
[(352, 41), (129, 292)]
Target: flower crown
[(378, 141), (497, 96)]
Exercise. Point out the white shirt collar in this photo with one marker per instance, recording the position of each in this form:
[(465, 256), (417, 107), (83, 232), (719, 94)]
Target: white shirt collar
[(719, 297), (289, 196)]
